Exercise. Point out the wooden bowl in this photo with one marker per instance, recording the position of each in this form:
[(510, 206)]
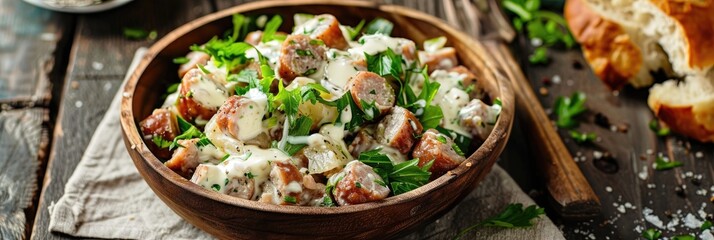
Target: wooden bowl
[(229, 217)]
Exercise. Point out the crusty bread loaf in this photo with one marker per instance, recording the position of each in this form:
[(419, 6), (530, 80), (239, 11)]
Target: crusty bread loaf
[(617, 52), (683, 28), (687, 107)]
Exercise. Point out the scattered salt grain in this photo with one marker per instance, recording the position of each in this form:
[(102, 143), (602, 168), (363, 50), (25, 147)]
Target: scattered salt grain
[(536, 42), (699, 154), (706, 235), (107, 86), (651, 185), (97, 66), (649, 151), (643, 174), (597, 154), (556, 79), (621, 208), (653, 219), (692, 222), (701, 192), (48, 37), (78, 104), (689, 174), (608, 189)]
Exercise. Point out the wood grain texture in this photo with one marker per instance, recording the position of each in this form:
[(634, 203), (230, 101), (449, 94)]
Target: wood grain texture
[(21, 139), (629, 176), (229, 217), (28, 39), (89, 88)]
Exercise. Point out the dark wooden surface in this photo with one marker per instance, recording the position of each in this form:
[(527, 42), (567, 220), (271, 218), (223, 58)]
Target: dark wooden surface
[(71, 75)]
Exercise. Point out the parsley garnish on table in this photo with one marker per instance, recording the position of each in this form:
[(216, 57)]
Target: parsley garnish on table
[(545, 28), (139, 34), (665, 164), (582, 137), (567, 108), (651, 234), (513, 216), (658, 129)]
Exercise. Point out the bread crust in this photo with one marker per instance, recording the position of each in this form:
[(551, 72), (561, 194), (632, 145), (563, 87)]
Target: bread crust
[(696, 19), (609, 50), (693, 117)]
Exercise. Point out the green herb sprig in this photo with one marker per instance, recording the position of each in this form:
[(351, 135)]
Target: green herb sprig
[(139, 34), (547, 26), (402, 177), (582, 137), (662, 164), (651, 234), (658, 129), (567, 108), (513, 216)]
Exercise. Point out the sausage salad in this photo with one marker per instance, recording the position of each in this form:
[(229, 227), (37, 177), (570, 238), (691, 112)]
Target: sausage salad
[(327, 115)]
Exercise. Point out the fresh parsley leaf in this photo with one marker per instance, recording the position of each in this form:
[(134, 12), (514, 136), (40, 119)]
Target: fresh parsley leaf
[(379, 25), (651, 234), (203, 69), (290, 199), (180, 60), (300, 127), (139, 34), (431, 117), (441, 138), (304, 53), (660, 131), (216, 187), (402, 177), (539, 56), (665, 164), (160, 141), (271, 28), (188, 131), (513, 216), (249, 175), (706, 225), (461, 141), (457, 149), (203, 141), (354, 31), (567, 108), (582, 137), (225, 157)]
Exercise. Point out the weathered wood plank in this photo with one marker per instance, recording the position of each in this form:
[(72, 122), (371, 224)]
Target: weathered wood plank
[(629, 178), (99, 60), (28, 39), (22, 138)]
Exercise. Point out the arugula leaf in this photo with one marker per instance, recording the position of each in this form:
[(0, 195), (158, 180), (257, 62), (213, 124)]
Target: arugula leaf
[(461, 141), (188, 131), (665, 164), (353, 32), (180, 60), (271, 28), (402, 177), (659, 130), (566, 108), (582, 137), (385, 63), (513, 216), (651, 234), (379, 25), (683, 237), (160, 141), (300, 127), (706, 225)]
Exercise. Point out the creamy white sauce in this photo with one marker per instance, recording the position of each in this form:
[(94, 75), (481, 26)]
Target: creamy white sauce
[(293, 187), (250, 118), (206, 92), (270, 50), (171, 99), (394, 155), (339, 71), (453, 101), (376, 43), (448, 81)]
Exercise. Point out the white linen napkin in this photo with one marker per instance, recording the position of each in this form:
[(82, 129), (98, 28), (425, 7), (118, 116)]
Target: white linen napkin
[(107, 198)]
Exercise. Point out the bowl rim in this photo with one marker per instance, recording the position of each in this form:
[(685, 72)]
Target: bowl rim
[(500, 131)]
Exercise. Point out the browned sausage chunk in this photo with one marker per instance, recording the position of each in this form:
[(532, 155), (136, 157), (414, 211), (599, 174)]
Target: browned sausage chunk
[(232, 111), (438, 147), (189, 155), (160, 126), (287, 181), (199, 96), (358, 183), (326, 28), (398, 129), (363, 141), (371, 88), (194, 58), (300, 56), (477, 91), (444, 59)]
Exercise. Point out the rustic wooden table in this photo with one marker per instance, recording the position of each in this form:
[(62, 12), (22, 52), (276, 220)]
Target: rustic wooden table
[(58, 73)]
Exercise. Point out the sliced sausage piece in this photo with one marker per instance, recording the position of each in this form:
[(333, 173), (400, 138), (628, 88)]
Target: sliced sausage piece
[(326, 28), (443, 59), (300, 55), (194, 57), (364, 141), (358, 183), (240, 117), (371, 88), (215, 178), (477, 91), (479, 118), (438, 147), (287, 181), (199, 97), (160, 126), (313, 193), (398, 129), (189, 155)]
